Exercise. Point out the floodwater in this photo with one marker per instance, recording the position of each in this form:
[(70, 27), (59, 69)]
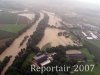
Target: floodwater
[(53, 19), (28, 15), (14, 49), (51, 36)]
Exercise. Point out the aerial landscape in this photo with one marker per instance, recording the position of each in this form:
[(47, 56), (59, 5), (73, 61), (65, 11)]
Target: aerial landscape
[(49, 37)]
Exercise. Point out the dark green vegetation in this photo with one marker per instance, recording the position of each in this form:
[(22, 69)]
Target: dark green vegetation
[(29, 59), (4, 63), (48, 45), (39, 33), (90, 60), (94, 48), (87, 53)]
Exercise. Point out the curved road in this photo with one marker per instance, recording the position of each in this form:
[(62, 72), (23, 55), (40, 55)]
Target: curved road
[(14, 48)]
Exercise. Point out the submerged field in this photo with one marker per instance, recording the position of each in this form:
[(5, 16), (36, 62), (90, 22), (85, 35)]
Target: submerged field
[(51, 36)]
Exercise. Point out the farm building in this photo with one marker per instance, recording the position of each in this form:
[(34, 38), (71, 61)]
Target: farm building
[(43, 59), (75, 54)]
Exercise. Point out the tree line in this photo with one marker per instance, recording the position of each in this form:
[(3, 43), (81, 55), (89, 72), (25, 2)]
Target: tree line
[(4, 63)]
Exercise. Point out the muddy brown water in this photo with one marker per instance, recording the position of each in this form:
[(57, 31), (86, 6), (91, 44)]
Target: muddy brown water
[(51, 36)]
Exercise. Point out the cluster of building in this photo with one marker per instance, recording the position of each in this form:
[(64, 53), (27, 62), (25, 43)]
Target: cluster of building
[(87, 31), (91, 35), (87, 34), (42, 59)]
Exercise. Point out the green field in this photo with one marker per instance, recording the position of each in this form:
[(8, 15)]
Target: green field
[(73, 37), (96, 70), (28, 59), (95, 42), (87, 54), (12, 27), (8, 22), (48, 45)]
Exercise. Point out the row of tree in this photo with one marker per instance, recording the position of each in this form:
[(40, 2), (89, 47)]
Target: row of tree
[(39, 33), (4, 63)]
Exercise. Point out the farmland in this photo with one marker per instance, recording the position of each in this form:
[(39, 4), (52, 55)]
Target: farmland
[(90, 61), (11, 18), (94, 48), (12, 22), (87, 54), (95, 42), (12, 27)]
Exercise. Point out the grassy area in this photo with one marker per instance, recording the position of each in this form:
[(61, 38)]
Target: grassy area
[(87, 54), (28, 59), (73, 37), (12, 27), (96, 70), (95, 42), (11, 18), (48, 45)]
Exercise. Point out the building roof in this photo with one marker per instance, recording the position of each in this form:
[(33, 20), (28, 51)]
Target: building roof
[(45, 62), (73, 52), (76, 56)]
